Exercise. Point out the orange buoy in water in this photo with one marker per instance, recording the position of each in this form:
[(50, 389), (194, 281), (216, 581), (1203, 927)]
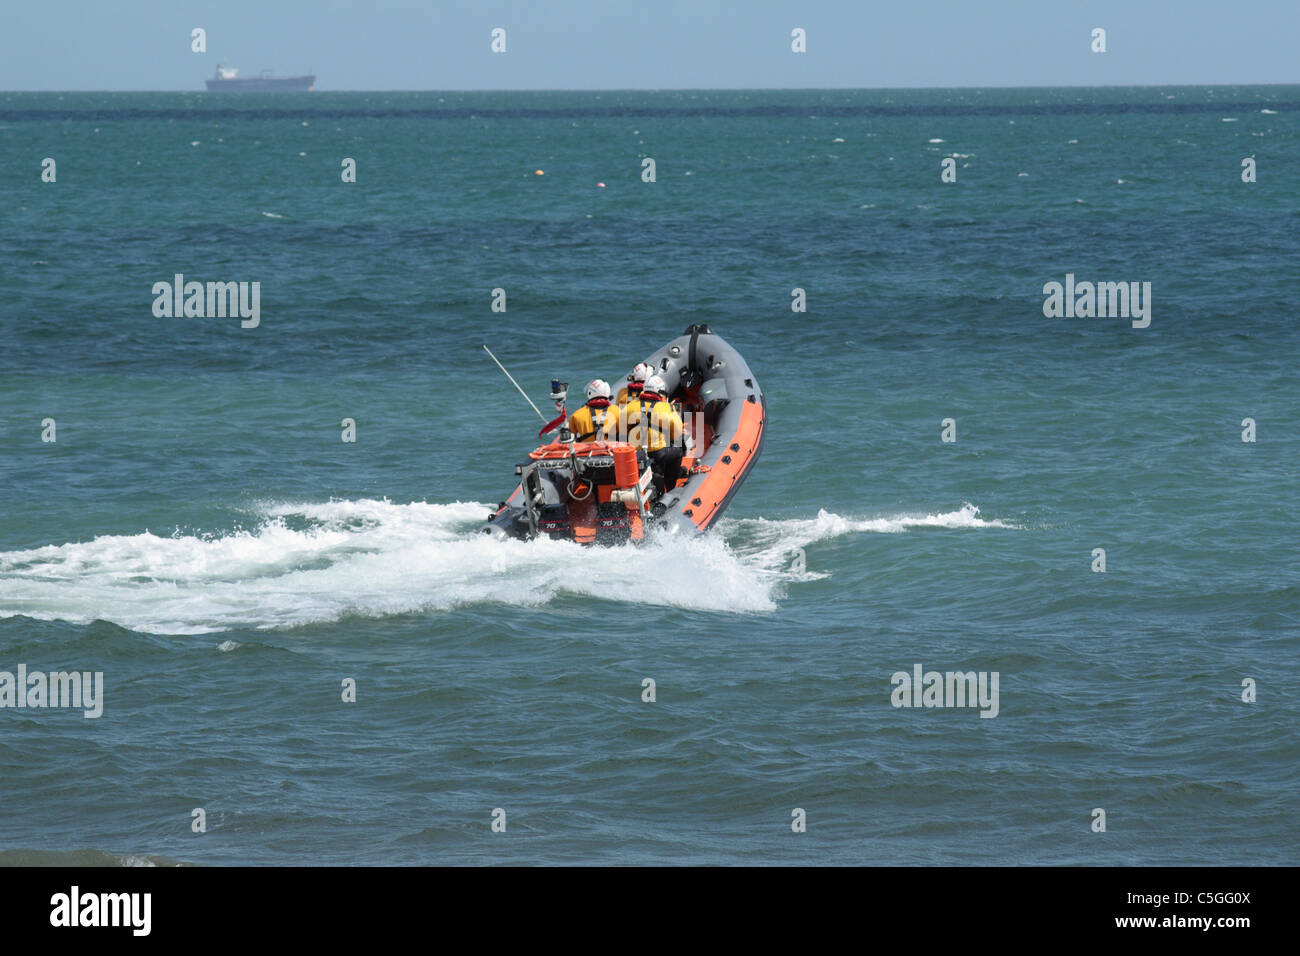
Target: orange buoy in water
[(538, 173)]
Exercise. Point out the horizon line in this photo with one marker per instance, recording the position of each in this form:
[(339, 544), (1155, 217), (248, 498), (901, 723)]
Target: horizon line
[(678, 89)]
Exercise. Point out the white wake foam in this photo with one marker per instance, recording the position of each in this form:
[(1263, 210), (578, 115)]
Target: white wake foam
[(308, 563)]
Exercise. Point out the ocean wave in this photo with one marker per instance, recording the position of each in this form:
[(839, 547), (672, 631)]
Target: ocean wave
[(26, 857), (313, 563)]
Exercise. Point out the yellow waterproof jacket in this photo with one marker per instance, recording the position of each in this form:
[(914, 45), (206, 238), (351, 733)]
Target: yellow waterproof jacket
[(652, 425), (592, 424), (622, 395)]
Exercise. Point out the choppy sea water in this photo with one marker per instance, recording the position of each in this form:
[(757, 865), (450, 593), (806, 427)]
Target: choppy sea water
[(199, 533)]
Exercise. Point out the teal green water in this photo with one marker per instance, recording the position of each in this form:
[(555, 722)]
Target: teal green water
[(200, 534)]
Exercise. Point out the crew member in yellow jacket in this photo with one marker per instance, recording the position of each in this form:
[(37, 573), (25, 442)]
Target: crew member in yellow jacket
[(596, 419), (651, 422), (635, 382)]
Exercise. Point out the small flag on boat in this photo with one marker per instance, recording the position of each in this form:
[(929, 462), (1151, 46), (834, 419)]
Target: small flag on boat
[(552, 425)]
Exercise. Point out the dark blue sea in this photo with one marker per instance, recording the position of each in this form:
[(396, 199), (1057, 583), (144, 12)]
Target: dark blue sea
[(179, 512)]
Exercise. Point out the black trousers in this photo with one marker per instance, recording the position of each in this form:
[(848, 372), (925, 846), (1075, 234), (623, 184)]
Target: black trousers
[(666, 463)]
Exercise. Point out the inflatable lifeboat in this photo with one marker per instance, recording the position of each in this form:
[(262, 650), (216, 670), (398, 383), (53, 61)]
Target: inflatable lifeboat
[(603, 492)]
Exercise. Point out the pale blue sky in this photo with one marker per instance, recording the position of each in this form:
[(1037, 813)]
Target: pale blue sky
[(650, 44)]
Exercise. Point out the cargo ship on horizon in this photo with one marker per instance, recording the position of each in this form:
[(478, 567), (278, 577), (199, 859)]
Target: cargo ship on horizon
[(227, 79)]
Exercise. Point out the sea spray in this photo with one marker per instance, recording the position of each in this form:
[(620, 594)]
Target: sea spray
[(307, 563)]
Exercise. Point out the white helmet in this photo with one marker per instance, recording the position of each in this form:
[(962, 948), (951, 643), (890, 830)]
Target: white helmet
[(657, 385), (597, 388), (641, 372)]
